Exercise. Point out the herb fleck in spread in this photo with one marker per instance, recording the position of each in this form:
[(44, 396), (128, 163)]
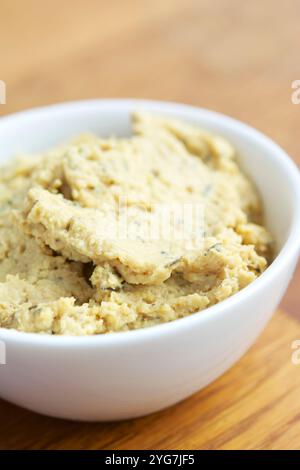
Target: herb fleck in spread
[(60, 271)]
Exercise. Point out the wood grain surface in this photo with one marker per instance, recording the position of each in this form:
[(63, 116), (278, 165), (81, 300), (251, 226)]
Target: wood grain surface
[(239, 58)]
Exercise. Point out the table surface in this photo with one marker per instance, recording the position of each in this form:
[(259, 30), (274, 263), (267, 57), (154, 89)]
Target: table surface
[(239, 58)]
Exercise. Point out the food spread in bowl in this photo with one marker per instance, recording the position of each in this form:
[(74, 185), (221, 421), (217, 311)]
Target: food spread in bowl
[(114, 234)]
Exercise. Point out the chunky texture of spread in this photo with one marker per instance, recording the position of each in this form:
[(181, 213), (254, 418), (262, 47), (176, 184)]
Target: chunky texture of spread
[(77, 254)]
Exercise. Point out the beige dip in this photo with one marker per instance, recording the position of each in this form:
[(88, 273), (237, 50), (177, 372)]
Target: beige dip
[(66, 268)]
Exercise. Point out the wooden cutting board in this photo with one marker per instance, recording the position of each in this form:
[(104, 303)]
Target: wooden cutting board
[(239, 58), (255, 405)]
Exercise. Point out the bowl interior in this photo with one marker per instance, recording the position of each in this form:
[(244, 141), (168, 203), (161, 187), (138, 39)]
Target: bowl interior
[(43, 128)]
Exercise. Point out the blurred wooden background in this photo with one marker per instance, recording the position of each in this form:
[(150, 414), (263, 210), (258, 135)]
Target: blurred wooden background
[(239, 58)]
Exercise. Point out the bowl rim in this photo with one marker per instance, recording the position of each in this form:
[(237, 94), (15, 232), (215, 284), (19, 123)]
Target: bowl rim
[(288, 252)]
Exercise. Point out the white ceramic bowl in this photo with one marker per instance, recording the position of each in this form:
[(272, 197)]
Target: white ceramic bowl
[(125, 375)]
